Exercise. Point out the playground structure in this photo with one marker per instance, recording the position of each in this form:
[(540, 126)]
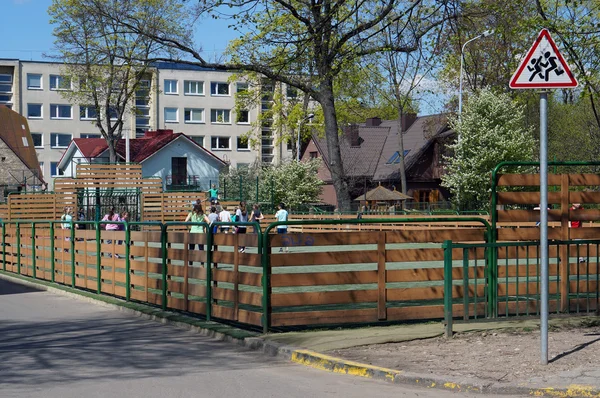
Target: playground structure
[(338, 270)]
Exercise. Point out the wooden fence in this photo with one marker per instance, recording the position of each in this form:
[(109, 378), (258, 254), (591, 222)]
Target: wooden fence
[(314, 278)]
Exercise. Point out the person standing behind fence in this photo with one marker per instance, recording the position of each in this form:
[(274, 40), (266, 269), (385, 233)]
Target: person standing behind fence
[(197, 216), (111, 216), (224, 216), (213, 194), (282, 215), (575, 223), (213, 217), (256, 216), (67, 217), (241, 216)]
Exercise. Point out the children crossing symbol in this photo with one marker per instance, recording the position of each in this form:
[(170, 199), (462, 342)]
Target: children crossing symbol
[(543, 67)]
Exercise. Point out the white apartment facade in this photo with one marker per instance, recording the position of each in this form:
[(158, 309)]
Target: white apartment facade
[(197, 101)]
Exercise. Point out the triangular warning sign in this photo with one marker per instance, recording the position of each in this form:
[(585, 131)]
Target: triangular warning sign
[(543, 67)]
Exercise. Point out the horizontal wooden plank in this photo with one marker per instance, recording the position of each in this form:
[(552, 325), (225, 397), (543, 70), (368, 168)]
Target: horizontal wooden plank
[(324, 258), (430, 274), (520, 234), (250, 317), (219, 311), (436, 235), (321, 298), (322, 239), (324, 278), (243, 296), (527, 179), (324, 317)]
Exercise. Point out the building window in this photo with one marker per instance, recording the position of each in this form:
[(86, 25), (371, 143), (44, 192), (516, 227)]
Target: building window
[(198, 140), (59, 140), (219, 88), (60, 82), (34, 81), (193, 87), (193, 115), (243, 117), (395, 158), (34, 111), (242, 144), (313, 155), (6, 83), (60, 111), (54, 170), (291, 92), (241, 87), (38, 140), (87, 112), (222, 116), (90, 135), (171, 115), (220, 143), (171, 87), (113, 113)]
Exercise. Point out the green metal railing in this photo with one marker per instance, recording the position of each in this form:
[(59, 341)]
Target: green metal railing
[(519, 281), (523, 272)]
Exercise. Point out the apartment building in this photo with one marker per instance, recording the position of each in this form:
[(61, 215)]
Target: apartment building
[(197, 101)]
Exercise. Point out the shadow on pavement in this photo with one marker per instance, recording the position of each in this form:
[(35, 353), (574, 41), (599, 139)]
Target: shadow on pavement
[(574, 350), (34, 353), (7, 288)]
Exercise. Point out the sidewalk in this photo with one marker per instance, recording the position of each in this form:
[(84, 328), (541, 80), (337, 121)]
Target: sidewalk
[(417, 354), (373, 352)]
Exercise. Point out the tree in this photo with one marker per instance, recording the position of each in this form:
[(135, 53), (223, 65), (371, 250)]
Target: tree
[(491, 130), (295, 183), (105, 64), (307, 45)]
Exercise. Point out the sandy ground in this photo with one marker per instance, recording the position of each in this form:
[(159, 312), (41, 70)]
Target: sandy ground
[(494, 356)]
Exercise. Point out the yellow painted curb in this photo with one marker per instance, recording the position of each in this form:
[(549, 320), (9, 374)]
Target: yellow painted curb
[(571, 391)]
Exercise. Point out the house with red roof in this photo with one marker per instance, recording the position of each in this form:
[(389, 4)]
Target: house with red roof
[(174, 157)]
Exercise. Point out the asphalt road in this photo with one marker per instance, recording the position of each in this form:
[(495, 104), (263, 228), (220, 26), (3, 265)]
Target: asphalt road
[(56, 346)]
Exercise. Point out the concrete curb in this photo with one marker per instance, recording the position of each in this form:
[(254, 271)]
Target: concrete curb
[(305, 357)]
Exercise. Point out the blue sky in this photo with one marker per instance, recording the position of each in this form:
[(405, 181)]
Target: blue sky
[(27, 32)]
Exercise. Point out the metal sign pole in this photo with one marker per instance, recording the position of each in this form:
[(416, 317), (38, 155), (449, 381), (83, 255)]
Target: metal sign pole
[(544, 224)]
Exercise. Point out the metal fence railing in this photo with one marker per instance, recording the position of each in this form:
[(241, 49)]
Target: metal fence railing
[(272, 277)]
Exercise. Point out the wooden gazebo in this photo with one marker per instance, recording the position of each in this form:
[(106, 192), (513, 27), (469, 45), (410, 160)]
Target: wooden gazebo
[(381, 199)]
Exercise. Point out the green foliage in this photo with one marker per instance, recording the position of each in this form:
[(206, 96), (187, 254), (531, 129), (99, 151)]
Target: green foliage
[(293, 183), (492, 129), (104, 61)]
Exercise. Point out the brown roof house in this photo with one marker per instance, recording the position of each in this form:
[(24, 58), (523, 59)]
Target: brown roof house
[(18, 159), (371, 157)]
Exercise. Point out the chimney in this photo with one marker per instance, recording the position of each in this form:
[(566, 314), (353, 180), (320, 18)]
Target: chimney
[(373, 121), (157, 133), (351, 133), (407, 120)]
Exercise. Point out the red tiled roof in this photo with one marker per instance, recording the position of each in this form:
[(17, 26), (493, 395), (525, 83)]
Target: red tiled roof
[(139, 148)]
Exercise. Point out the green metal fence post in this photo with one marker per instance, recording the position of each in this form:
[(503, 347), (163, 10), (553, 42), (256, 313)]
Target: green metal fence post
[(72, 254), (447, 245), (163, 246), (3, 246), (266, 277), (127, 262), (33, 249), (18, 227), (98, 257), (209, 257), (52, 254)]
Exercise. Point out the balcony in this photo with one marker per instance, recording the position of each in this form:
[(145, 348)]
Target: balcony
[(186, 183)]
